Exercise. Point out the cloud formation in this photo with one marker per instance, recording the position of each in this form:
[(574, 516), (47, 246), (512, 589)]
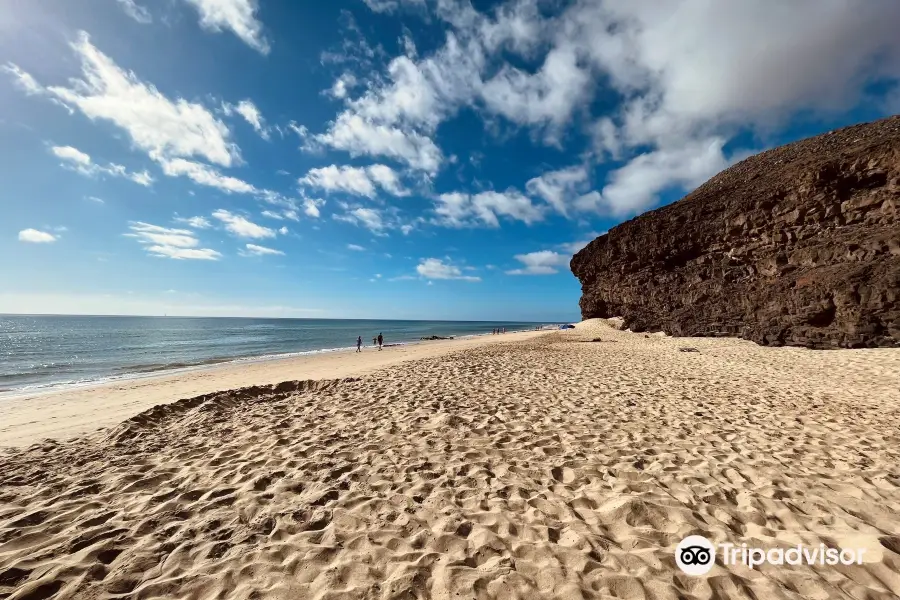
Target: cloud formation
[(545, 262), (80, 162), (435, 268), (255, 250), (358, 181), (248, 110), (35, 236), (484, 209), (165, 242), (241, 226), (673, 69), (161, 127), (239, 16), (136, 11)]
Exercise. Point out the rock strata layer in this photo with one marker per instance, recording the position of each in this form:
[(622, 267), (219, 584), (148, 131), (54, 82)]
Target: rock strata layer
[(799, 245)]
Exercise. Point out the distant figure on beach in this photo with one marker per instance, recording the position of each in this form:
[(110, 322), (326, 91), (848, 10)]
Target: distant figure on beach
[(359, 344), (380, 341), (374, 341), (493, 332)]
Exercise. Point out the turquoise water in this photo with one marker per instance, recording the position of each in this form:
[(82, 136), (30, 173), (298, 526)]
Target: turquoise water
[(37, 352)]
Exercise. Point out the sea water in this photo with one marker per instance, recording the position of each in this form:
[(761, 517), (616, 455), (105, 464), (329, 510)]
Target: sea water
[(38, 352)]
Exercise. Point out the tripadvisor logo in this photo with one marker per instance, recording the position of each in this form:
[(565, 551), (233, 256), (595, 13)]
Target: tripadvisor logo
[(695, 555)]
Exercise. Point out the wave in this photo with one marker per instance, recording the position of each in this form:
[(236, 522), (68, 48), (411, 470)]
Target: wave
[(155, 367), (142, 370)]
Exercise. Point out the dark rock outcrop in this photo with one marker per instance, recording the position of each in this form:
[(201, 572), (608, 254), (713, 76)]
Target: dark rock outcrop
[(799, 245)]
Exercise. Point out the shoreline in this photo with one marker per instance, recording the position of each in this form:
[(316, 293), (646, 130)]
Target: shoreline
[(72, 410), (132, 372)]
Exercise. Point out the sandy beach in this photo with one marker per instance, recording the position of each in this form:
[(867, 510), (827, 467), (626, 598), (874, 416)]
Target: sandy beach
[(527, 466), (69, 412)]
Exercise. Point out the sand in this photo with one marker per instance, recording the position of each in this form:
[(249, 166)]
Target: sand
[(551, 467), (29, 418)]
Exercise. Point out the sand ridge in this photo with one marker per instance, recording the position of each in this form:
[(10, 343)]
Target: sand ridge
[(555, 467)]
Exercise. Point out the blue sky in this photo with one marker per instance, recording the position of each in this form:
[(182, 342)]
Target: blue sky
[(416, 159)]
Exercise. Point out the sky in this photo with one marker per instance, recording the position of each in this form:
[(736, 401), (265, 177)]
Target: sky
[(420, 159)]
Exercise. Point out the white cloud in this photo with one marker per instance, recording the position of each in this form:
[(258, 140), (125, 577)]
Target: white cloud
[(360, 181), (24, 81), (572, 248), (273, 215), (342, 85), (157, 125), (241, 226), (355, 248), (283, 231), (387, 178), (237, 15), (332, 178), (634, 187), (673, 69), (399, 113), (143, 178), (301, 130), (36, 237), (545, 262), (195, 222), (96, 199), (248, 110), (80, 162), (254, 250), (205, 175), (311, 207), (458, 209), (435, 268), (545, 99), (164, 242), (388, 6), (72, 155), (276, 199), (681, 60), (560, 188), (136, 11), (369, 218), (361, 137)]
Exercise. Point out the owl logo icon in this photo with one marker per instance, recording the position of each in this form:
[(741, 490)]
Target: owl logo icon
[(695, 555)]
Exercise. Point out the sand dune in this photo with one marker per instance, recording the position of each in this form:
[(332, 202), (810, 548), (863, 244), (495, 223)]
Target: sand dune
[(555, 467)]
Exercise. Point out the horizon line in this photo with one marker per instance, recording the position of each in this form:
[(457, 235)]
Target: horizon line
[(167, 316)]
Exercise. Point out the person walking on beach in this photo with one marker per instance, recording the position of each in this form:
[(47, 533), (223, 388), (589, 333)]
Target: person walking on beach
[(380, 341), (374, 341), (359, 344)]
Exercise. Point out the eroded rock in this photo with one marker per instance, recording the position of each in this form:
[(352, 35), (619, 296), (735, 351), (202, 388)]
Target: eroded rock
[(799, 245)]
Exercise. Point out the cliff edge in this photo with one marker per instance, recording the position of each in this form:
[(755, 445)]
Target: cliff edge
[(799, 245)]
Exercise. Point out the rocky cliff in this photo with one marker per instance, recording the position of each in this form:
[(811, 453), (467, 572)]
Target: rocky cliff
[(799, 245)]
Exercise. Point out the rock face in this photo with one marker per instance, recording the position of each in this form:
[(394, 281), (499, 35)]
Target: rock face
[(799, 245)]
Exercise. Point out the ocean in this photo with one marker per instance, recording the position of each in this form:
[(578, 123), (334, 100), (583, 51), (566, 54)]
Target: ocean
[(40, 352)]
